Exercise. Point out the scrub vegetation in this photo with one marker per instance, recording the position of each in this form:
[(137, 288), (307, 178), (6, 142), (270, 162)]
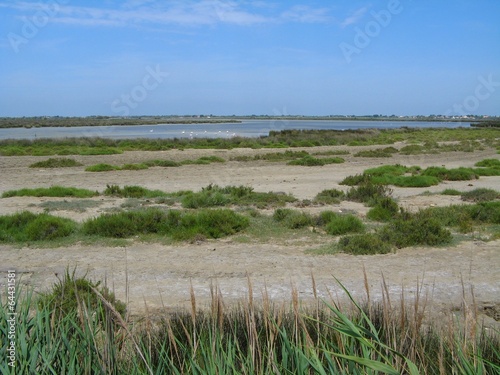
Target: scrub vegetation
[(56, 163), (154, 163)]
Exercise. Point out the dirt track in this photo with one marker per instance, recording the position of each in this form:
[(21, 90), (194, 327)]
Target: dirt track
[(161, 275)]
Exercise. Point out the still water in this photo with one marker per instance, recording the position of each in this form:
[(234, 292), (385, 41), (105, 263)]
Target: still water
[(247, 128)]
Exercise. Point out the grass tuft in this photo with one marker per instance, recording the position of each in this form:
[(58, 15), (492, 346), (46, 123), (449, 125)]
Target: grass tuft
[(56, 163), (26, 226), (53, 191), (102, 167)]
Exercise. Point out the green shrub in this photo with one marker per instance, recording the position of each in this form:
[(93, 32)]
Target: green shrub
[(133, 192), (384, 210), (220, 223), (331, 153), (480, 195), (205, 198), (56, 163), (102, 167), (488, 163), (392, 170), (134, 167), (162, 163), (413, 150), (26, 226), (368, 193), (411, 230), (364, 244), (53, 191), (356, 180), (487, 171), (342, 224), (213, 195), (457, 174), (307, 161), (178, 225), (292, 219), (282, 156), (213, 159), (411, 181), (329, 196), (451, 192)]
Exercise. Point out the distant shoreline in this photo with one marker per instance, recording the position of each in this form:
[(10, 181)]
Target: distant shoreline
[(56, 121)]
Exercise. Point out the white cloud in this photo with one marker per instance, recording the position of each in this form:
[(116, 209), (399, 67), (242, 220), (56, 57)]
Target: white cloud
[(306, 14), (354, 17), (185, 13)]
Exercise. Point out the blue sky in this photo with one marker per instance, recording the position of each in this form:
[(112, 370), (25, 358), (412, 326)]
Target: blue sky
[(223, 57)]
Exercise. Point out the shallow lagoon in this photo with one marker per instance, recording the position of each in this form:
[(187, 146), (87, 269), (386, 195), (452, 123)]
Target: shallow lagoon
[(245, 128)]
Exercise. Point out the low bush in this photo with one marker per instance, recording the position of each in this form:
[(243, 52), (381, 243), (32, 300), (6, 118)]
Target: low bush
[(26, 226), (410, 181), (451, 192), (214, 195), (488, 163), (56, 163), (133, 192), (342, 224), (282, 156), (418, 229), (102, 167), (53, 191), (162, 163), (413, 150), (385, 209), (480, 213), (368, 193), (356, 180), (329, 196), (206, 198), (480, 195), (134, 167), (292, 219), (204, 160), (176, 224), (331, 153), (364, 244), (311, 161), (391, 170), (457, 174)]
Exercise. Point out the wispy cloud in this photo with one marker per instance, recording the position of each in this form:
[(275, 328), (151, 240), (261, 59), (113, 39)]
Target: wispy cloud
[(184, 13), (354, 17), (306, 14)]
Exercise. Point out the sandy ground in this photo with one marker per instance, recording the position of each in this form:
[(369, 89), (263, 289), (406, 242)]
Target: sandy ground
[(160, 276)]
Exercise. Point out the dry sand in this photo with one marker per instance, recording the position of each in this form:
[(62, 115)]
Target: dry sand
[(160, 275)]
